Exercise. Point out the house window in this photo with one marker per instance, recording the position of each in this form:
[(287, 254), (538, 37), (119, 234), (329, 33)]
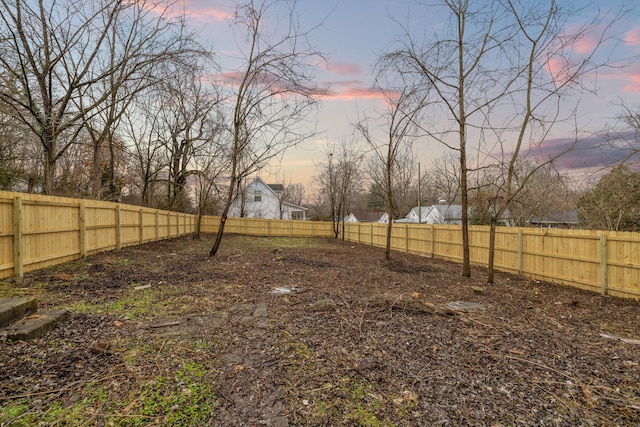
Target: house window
[(297, 215), (257, 196)]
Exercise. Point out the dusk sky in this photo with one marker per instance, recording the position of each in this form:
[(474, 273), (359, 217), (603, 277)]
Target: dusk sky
[(351, 35)]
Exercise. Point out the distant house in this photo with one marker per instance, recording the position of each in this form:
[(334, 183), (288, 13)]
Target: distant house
[(442, 213), (434, 214), (262, 200), (566, 219), (414, 214), (364, 216)]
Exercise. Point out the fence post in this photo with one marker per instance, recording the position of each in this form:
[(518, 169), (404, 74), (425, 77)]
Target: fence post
[(118, 237), (603, 264), (406, 238), (18, 255), (83, 228), (157, 226), (520, 254), (433, 240), (141, 225)]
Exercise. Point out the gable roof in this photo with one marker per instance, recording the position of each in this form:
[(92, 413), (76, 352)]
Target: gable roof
[(276, 187), (449, 212), (367, 216)]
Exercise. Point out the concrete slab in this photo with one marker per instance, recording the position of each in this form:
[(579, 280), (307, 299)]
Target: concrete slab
[(15, 309), (36, 325)]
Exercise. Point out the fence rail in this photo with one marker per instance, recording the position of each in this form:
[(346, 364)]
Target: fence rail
[(39, 231)]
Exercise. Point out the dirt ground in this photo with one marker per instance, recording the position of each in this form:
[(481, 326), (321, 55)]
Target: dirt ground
[(285, 332)]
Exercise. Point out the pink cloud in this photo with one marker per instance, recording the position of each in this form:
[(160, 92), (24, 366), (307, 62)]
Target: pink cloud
[(350, 90), (558, 68), (633, 84), (344, 68), (586, 44), (195, 9), (354, 93), (202, 13), (632, 38)]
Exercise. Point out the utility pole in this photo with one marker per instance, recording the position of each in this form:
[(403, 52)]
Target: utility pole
[(419, 197)]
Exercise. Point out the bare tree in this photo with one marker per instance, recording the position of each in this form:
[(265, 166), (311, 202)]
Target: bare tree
[(394, 153), (288, 194), (547, 192), (189, 123), (69, 61), (612, 204), (404, 184), (209, 168), (273, 94), (622, 139), (19, 169), (295, 194), (460, 65), (443, 179), (146, 150), (502, 76), (540, 81)]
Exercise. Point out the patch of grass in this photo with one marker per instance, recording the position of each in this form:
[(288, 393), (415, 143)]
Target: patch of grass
[(144, 304), (10, 290), (184, 398), (15, 414), (364, 417), (187, 399)]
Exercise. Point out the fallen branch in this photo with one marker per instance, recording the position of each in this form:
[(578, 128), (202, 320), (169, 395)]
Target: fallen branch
[(408, 303)]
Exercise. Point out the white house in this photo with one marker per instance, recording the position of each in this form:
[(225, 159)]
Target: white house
[(262, 200), (415, 213), (443, 213), (435, 214)]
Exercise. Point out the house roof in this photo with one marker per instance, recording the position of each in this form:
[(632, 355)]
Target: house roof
[(276, 187), (367, 216), (449, 211), (565, 217), (421, 209)]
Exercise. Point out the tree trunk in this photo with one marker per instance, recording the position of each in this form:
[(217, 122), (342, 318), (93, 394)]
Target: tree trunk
[(196, 234), (492, 245), (223, 219), (49, 175), (96, 174), (216, 244), (387, 252)]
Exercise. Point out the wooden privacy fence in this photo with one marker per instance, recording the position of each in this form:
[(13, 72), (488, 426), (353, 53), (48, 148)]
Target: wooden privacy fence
[(268, 227), (38, 231), (605, 262)]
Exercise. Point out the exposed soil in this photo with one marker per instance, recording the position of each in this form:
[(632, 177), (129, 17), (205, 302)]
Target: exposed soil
[(346, 339)]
